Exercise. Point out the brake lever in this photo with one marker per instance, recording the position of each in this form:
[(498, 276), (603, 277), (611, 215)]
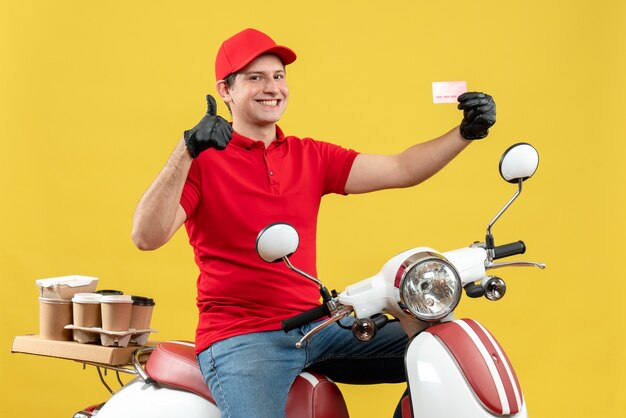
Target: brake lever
[(337, 315), (491, 265)]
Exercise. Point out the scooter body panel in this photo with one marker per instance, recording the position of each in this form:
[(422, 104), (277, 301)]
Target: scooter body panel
[(138, 400), (448, 380)]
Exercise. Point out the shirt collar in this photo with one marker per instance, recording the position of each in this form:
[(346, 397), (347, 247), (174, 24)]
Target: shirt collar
[(247, 143)]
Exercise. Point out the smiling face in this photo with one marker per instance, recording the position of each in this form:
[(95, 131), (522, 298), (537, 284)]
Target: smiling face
[(258, 96)]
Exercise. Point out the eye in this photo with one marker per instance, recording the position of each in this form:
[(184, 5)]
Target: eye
[(279, 77), (254, 77)]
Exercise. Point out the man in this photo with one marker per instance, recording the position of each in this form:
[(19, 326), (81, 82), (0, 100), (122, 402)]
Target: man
[(226, 183)]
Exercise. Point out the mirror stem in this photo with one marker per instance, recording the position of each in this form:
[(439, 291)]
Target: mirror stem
[(489, 240), (308, 276), (327, 297)]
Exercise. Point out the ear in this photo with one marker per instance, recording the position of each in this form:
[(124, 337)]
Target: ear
[(223, 90)]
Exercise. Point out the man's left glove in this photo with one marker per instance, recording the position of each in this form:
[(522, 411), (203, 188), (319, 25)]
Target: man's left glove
[(479, 114)]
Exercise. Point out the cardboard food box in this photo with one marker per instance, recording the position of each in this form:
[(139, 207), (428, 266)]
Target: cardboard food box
[(65, 287), (71, 350)]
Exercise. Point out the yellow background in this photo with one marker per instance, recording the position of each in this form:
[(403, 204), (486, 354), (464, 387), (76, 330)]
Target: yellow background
[(94, 96)]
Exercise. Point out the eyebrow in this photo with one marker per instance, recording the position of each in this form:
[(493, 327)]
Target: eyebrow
[(282, 70)]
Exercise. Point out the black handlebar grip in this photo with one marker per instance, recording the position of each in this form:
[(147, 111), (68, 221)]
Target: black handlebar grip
[(304, 318), (507, 250)]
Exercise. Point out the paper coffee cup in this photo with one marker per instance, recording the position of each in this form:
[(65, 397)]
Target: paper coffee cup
[(87, 312), (54, 315), (116, 310), (141, 313)]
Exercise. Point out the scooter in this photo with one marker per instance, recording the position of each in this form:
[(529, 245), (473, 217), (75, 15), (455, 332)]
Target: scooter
[(454, 367)]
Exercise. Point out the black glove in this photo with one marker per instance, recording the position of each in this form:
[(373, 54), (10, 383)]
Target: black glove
[(211, 132), (479, 114)]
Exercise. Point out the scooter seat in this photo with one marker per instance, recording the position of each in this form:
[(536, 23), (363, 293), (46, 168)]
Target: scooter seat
[(312, 395), (174, 364)]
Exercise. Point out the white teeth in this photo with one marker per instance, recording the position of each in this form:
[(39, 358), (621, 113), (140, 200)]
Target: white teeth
[(269, 102)]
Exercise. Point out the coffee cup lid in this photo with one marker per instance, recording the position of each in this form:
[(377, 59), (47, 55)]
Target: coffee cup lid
[(87, 298), (141, 300), (110, 292), (116, 299)]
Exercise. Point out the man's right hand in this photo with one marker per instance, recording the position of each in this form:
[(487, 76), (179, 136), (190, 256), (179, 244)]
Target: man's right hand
[(211, 132)]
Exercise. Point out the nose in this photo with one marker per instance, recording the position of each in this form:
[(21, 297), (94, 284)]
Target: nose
[(270, 86)]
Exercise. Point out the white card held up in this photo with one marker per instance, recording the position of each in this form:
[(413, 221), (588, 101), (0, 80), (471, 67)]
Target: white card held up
[(448, 91)]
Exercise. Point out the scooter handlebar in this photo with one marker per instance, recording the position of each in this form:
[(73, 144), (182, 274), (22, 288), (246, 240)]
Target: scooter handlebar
[(305, 318), (507, 250)]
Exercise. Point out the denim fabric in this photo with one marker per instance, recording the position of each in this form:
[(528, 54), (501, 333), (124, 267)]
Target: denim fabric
[(250, 375)]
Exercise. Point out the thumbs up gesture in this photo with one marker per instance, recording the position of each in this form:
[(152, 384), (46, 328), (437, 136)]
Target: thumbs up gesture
[(211, 132)]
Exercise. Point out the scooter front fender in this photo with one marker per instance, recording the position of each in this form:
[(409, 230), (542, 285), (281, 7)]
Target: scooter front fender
[(140, 400), (458, 369)]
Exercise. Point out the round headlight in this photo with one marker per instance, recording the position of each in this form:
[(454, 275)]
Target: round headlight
[(428, 286)]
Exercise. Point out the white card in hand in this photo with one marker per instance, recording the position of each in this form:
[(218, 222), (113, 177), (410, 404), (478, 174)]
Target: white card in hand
[(448, 91)]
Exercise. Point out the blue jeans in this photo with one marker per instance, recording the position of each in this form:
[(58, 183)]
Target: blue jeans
[(250, 375)]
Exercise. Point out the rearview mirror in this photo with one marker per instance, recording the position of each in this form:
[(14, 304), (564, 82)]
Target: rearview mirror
[(519, 162), (277, 241)]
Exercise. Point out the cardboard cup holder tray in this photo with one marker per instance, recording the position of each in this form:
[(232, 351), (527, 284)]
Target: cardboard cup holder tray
[(85, 335)]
